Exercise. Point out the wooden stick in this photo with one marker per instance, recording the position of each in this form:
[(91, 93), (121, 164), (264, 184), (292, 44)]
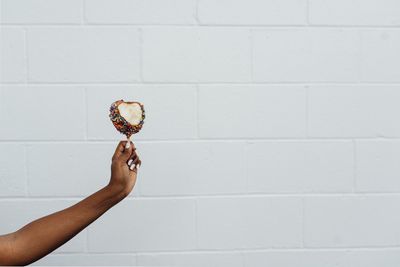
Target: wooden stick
[(128, 143)]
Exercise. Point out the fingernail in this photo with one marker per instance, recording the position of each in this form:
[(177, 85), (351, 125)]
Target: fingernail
[(130, 161), (137, 166), (128, 145), (131, 167)]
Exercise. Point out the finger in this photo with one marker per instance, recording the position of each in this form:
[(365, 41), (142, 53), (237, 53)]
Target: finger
[(127, 152), (135, 161), (119, 149), (122, 145), (138, 164), (133, 168), (128, 144), (132, 158), (133, 164), (133, 154)]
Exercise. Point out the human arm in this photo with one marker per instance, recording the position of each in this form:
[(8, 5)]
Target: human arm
[(42, 236)]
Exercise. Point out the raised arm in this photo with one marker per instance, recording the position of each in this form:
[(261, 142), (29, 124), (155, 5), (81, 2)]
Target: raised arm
[(38, 238)]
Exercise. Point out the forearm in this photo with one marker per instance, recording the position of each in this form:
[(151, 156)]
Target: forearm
[(44, 235), (40, 237)]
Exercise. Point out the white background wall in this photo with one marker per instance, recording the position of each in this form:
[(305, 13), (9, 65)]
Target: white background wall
[(271, 137)]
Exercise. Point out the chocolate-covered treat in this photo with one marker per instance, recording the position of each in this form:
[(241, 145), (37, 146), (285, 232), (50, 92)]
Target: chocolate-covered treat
[(127, 117)]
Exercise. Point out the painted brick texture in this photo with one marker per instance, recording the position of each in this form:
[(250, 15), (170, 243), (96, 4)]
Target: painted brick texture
[(271, 137)]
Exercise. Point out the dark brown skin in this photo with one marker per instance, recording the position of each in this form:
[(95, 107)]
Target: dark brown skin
[(38, 238)]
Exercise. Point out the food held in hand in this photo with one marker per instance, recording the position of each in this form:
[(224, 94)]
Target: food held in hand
[(127, 117)]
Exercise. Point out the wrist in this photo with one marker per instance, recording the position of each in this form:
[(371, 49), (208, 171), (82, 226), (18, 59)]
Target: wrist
[(116, 191)]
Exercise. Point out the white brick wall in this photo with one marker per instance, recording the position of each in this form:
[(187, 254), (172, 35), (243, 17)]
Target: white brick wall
[(13, 56), (353, 111), (252, 12), (13, 177), (150, 12), (377, 166), (249, 222), (172, 224), (80, 259), (354, 221), (326, 258), (243, 111), (211, 164), (61, 175), (41, 11), (306, 55), (197, 259), (196, 55), (271, 134), (83, 55), (35, 113), (380, 48), (324, 166), (354, 12)]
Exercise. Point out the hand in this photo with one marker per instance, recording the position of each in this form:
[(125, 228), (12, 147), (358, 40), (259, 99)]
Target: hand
[(124, 167)]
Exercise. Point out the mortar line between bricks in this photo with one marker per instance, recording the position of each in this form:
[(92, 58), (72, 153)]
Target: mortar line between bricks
[(243, 259), (1, 102), (135, 254), (202, 25), (197, 125), (26, 56), (144, 253), (239, 250), (272, 194), (161, 83), (59, 253), (86, 249), (83, 15), (359, 58), (204, 140), (141, 56), (206, 196), (27, 192), (251, 39), (86, 115), (303, 222), (307, 110), (79, 253), (354, 166), (196, 13), (196, 229), (245, 167)]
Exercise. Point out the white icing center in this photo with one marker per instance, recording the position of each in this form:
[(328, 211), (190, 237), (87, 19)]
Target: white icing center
[(131, 112)]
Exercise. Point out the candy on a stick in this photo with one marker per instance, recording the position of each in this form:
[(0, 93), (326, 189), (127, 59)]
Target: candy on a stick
[(127, 117)]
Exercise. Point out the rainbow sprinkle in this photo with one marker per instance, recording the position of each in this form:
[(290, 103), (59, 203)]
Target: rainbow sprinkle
[(120, 123)]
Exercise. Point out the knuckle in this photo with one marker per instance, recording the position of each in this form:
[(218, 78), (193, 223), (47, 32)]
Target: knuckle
[(114, 159)]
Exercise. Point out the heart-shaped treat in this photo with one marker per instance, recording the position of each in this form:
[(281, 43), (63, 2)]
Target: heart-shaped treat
[(127, 117)]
